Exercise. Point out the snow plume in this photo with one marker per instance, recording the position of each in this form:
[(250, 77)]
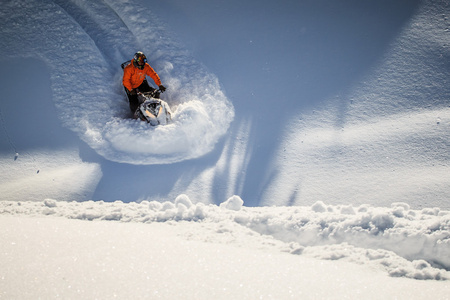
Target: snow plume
[(84, 45), (401, 241)]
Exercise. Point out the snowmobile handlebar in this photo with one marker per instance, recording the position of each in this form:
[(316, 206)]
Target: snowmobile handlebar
[(152, 93)]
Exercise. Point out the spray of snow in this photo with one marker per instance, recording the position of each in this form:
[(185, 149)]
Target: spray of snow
[(93, 105)]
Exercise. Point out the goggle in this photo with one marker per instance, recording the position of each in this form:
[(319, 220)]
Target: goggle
[(141, 60)]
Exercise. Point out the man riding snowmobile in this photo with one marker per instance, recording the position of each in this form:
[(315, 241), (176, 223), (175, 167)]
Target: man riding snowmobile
[(134, 80)]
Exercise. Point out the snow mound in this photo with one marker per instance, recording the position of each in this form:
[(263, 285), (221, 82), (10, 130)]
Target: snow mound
[(233, 203), (403, 242)]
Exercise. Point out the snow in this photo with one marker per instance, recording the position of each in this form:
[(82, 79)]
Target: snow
[(94, 109), (402, 241), (181, 249), (120, 268), (193, 251), (308, 157)]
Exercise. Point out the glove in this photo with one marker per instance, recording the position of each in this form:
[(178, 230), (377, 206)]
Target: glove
[(162, 88)]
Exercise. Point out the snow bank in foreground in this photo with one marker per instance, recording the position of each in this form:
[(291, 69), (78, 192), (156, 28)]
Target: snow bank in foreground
[(50, 258), (404, 242)]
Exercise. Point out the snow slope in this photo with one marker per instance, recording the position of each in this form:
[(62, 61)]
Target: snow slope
[(361, 99), (94, 106), (335, 102), (329, 120)]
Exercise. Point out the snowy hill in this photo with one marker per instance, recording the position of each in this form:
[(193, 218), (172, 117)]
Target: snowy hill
[(330, 120)]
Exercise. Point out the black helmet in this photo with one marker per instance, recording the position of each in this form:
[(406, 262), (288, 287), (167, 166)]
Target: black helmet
[(139, 60)]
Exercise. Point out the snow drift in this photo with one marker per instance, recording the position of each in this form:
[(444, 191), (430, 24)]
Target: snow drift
[(182, 260), (401, 241)]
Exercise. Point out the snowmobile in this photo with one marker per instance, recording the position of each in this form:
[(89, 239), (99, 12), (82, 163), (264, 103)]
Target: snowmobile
[(151, 108)]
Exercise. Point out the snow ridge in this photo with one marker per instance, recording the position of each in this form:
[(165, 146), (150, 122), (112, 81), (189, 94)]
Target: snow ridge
[(403, 242)]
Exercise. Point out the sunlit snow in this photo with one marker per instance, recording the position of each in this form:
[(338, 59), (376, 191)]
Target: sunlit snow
[(308, 157)]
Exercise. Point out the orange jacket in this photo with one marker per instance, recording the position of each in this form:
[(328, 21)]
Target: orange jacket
[(133, 77)]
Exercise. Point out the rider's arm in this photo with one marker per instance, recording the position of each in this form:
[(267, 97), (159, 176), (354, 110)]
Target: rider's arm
[(126, 81), (150, 72)]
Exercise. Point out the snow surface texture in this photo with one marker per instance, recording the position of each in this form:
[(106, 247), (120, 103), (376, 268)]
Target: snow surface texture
[(338, 102), (403, 242), (51, 258), (93, 105), (397, 118)]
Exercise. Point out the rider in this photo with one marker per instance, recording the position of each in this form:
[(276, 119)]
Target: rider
[(134, 79)]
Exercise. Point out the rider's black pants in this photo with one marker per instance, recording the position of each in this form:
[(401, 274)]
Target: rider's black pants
[(133, 98)]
